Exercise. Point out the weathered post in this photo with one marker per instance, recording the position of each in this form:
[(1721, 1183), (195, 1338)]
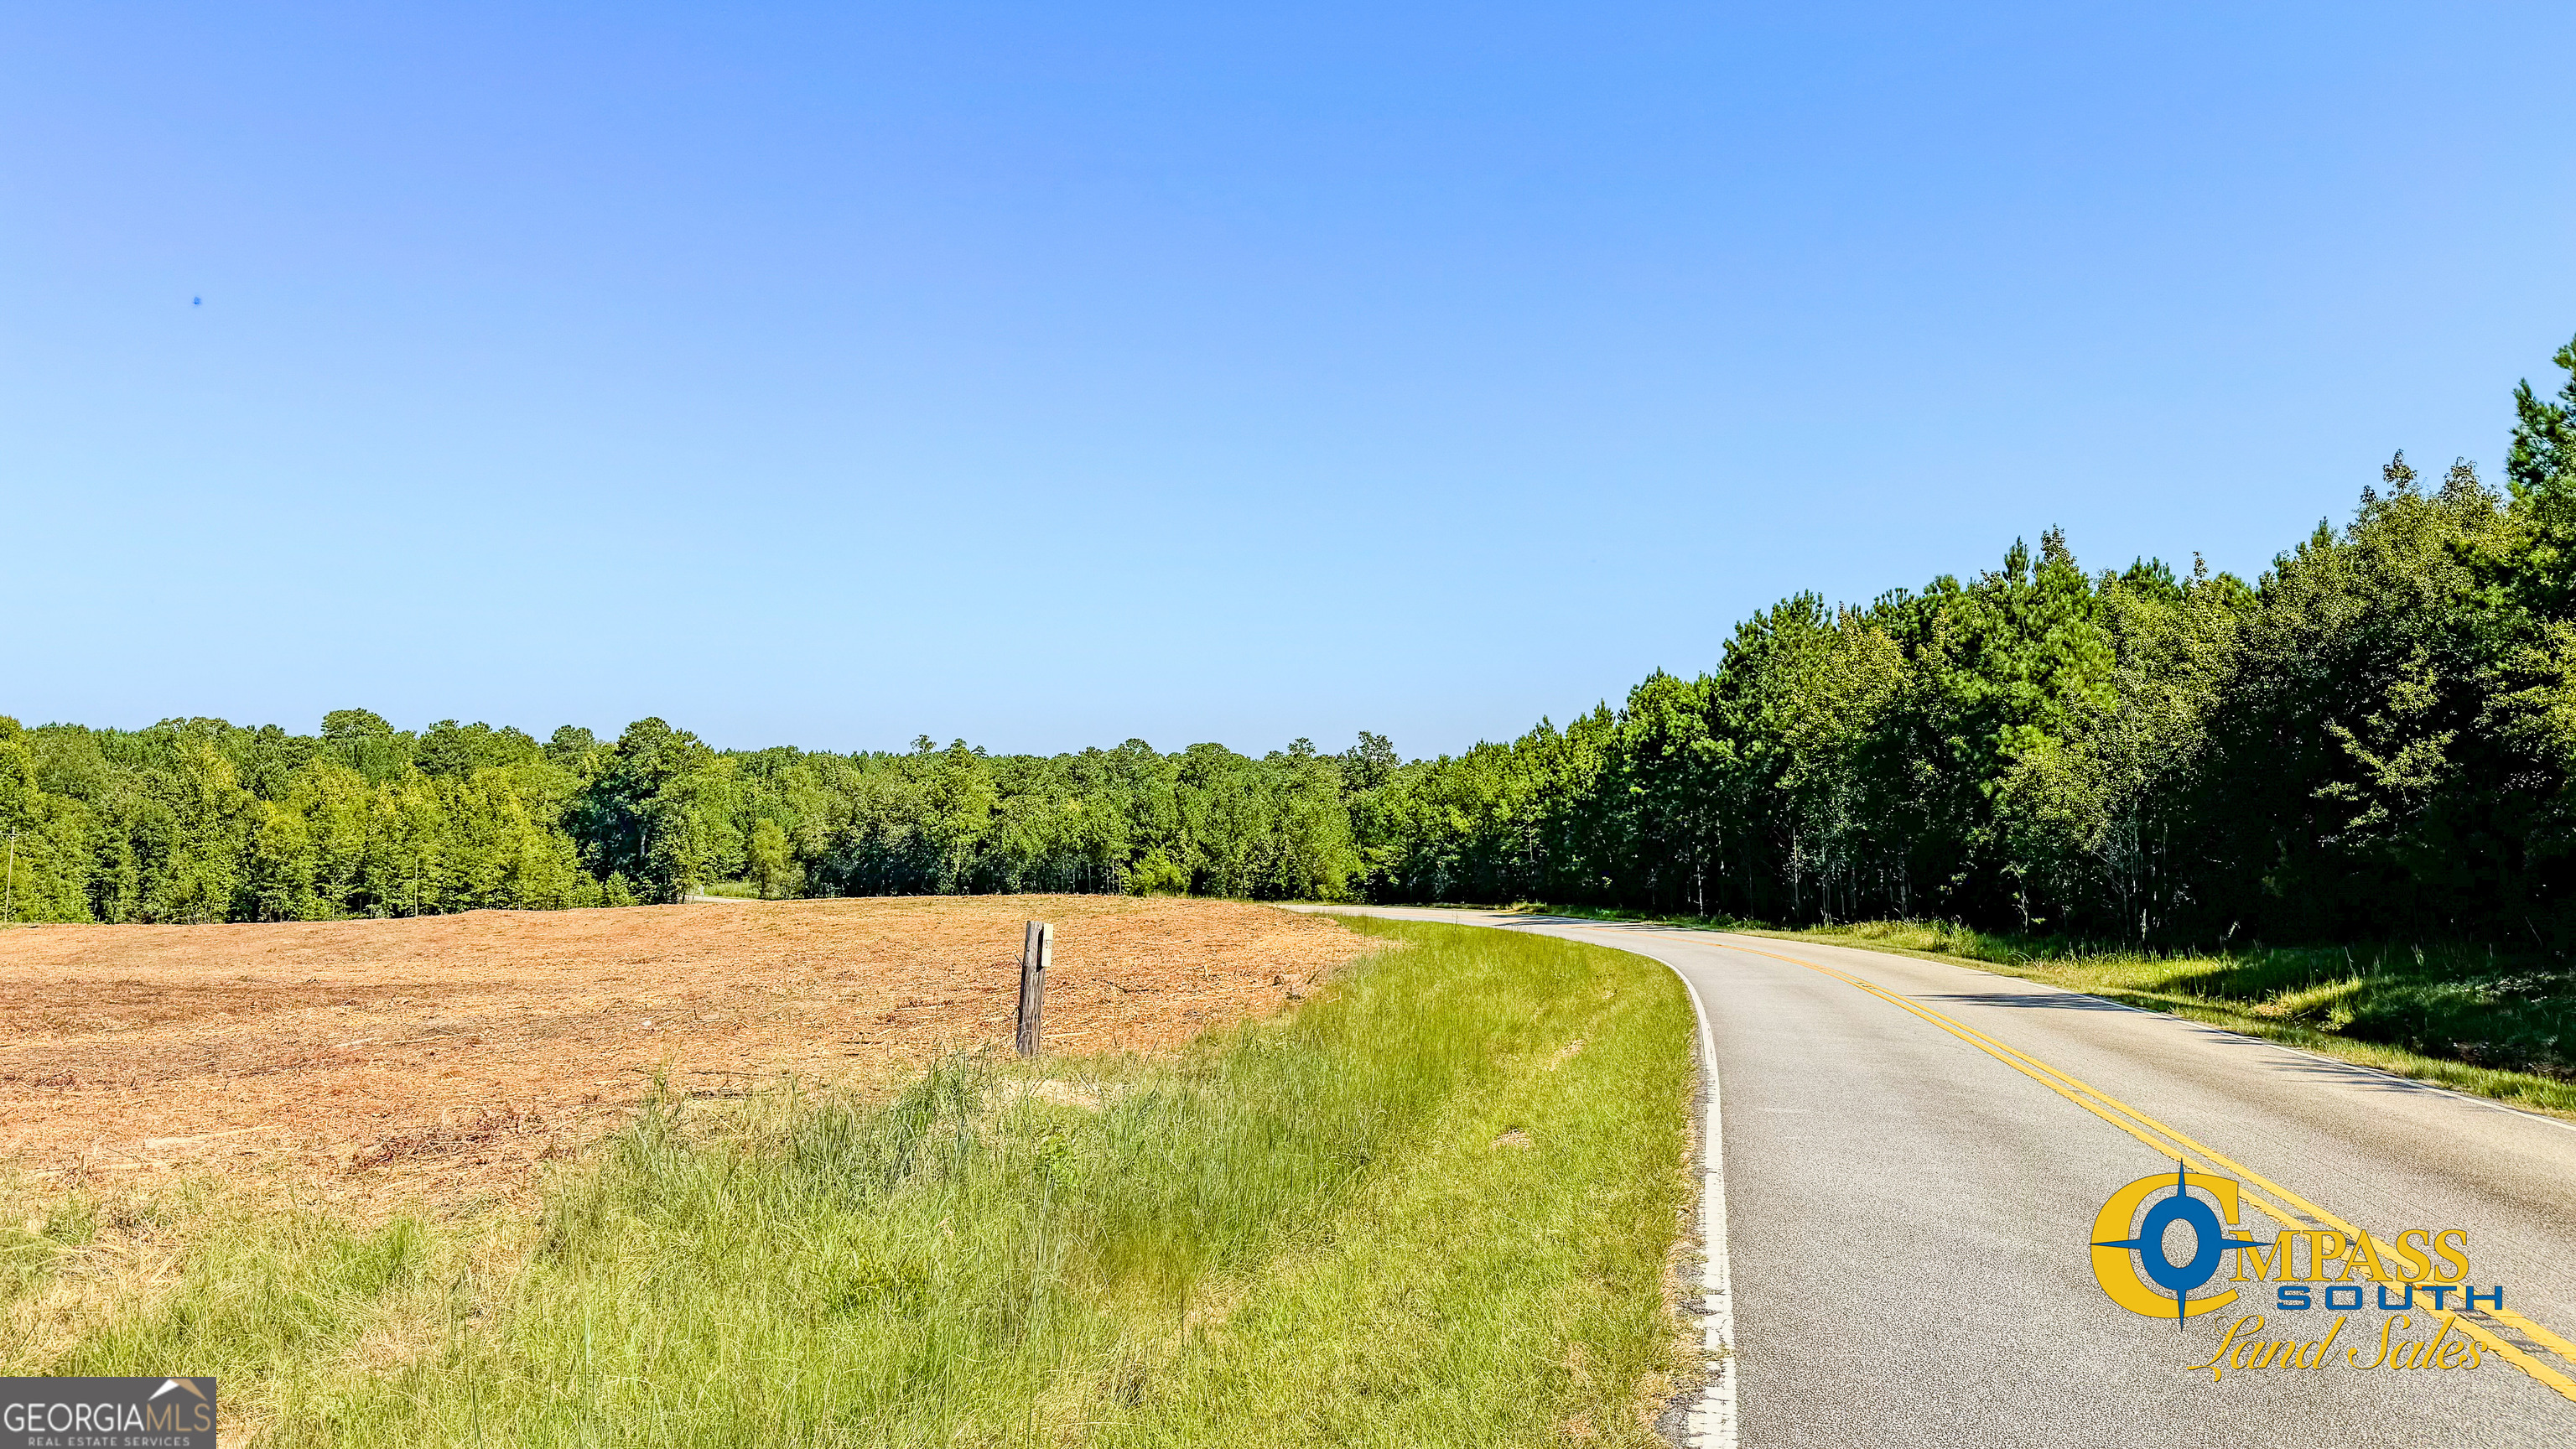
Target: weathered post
[(1034, 952)]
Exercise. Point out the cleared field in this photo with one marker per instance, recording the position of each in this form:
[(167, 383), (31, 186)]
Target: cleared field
[(1437, 1203), (445, 1056)]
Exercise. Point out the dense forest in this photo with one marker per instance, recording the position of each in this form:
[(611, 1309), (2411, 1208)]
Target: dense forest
[(2374, 739), (195, 820)]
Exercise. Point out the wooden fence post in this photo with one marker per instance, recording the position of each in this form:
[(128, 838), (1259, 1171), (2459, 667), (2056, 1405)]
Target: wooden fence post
[(1034, 954)]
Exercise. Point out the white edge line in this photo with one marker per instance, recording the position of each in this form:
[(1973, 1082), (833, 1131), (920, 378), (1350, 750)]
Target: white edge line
[(1711, 1423)]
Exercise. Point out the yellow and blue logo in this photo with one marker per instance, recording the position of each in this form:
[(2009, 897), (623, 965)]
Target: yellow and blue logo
[(2339, 1270), (2117, 1264)]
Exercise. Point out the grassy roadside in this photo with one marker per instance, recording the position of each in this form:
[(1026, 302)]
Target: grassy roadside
[(2454, 1016), (1434, 1205)]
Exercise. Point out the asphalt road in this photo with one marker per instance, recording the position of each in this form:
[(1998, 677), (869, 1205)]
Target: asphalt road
[(1913, 1158)]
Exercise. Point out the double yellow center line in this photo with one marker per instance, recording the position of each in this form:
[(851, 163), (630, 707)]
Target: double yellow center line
[(2173, 1145)]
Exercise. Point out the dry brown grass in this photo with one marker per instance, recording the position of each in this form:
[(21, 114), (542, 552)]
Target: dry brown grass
[(443, 1057)]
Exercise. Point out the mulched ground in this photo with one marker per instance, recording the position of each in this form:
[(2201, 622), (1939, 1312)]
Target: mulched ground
[(445, 1056)]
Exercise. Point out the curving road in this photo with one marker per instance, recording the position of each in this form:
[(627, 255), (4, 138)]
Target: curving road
[(1913, 1155)]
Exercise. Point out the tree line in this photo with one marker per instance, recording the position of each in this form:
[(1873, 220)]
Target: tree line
[(2373, 738), (201, 820)]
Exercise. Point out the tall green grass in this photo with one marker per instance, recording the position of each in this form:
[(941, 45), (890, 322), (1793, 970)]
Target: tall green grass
[(1434, 1205)]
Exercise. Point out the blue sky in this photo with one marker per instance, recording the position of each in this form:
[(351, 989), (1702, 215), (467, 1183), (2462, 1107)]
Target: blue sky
[(1050, 375)]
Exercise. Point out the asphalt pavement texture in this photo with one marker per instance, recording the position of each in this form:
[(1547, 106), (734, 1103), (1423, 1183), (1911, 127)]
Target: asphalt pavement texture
[(1910, 1211)]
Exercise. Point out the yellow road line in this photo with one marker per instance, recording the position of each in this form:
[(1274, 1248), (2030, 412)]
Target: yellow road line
[(2536, 1333), (2168, 1142)]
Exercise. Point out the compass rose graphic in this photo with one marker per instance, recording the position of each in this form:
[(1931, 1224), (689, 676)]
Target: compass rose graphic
[(2208, 1239)]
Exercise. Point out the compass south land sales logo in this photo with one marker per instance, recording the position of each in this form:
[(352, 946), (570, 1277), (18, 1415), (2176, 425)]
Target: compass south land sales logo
[(2296, 1296)]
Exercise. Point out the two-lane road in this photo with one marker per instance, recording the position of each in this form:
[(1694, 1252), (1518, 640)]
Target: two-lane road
[(1914, 1155)]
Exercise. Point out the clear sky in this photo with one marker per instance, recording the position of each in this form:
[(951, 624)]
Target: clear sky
[(1054, 374)]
